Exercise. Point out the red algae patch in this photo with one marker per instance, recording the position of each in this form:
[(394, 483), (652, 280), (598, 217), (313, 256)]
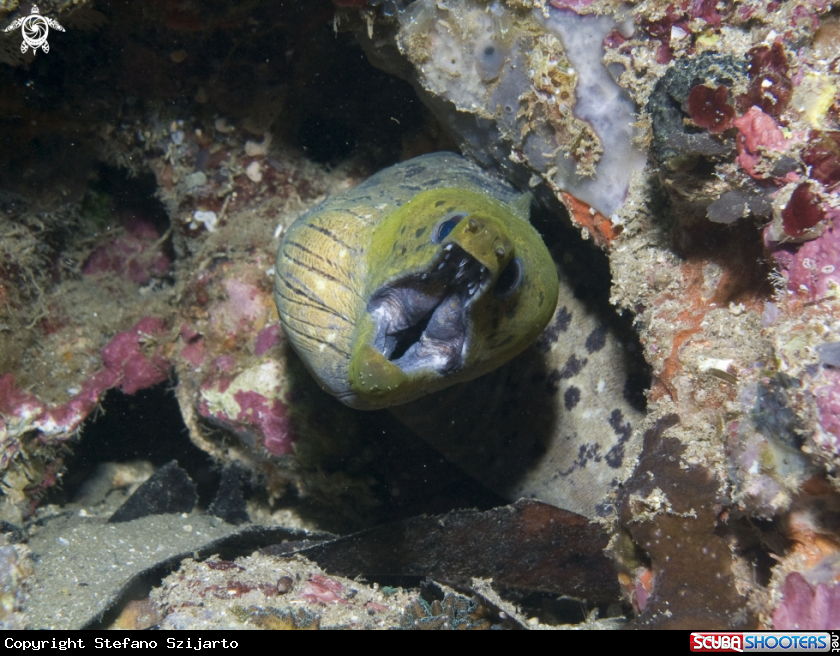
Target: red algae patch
[(709, 108)]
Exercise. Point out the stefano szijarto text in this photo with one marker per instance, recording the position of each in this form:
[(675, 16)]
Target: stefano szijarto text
[(126, 643)]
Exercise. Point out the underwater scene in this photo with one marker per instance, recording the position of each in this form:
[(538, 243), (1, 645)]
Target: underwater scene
[(420, 314)]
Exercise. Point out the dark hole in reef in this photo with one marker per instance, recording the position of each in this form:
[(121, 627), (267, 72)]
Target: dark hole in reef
[(760, 542), (326, 139), (132, 194), (763, 563), (736, 248), (704, 167), (346, 107), (144, 426)]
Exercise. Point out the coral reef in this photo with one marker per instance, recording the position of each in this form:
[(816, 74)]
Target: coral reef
[(516, 98), (269, 593), (697, 144), (15, 580), (724, 249)]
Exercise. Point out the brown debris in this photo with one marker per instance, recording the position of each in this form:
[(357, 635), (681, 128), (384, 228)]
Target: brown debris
[(528, 545), (672, 513)]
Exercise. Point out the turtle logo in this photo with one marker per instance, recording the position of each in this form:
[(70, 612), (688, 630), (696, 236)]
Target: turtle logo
[(34, 29)]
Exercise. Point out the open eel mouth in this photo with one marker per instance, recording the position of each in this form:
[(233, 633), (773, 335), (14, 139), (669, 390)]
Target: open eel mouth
[(421, 321)]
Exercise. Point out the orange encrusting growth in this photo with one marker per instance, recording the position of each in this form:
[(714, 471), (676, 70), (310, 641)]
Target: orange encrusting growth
[(599, 227)]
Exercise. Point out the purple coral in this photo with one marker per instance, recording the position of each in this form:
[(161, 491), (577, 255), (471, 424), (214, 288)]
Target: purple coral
[(802, 212), (811, 267), (806, 607), (828, 406)]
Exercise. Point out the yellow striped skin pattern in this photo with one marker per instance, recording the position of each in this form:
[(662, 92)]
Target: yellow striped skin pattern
[(425, 275)]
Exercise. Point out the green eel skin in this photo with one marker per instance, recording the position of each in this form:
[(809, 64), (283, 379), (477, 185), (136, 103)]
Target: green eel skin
[(426, 275), (559, 423)]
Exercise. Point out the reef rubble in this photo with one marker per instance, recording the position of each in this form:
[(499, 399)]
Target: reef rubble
[(695, 147)]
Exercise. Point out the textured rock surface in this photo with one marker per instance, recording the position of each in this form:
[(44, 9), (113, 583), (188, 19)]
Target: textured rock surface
[(728, 263)]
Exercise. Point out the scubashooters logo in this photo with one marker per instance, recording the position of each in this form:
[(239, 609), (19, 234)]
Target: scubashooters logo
[(34, 29), (779, 641)]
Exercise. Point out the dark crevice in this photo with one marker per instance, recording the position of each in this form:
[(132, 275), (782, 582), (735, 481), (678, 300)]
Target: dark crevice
[(588, 271), (144, 426), (132, 194)]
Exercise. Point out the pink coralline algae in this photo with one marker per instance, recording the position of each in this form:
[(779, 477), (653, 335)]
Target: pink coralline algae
[(678, 14), (124, 356), (804, 17), (806, 607), (224, 363), (322, 590), (135, 255), (828, 406), (660, 30), (194, 353), (757, 130), (373, 607), (708, 108), (707, 10), (267, 338), (126, 365), (570, 4), (244, 305), (812, 267), (194, 349), (250, 405), (21, 411), (270, 415)]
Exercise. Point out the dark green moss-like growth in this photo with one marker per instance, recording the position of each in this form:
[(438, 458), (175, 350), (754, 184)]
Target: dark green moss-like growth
[(675, 144)]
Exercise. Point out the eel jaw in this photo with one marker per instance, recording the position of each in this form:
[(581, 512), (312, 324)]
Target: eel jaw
[(421, 322)]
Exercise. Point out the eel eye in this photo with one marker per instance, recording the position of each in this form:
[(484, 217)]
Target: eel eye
[(446, 226), (509, 280)]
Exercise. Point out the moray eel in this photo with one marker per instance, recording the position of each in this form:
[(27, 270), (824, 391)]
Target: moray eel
[(425, 275)]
